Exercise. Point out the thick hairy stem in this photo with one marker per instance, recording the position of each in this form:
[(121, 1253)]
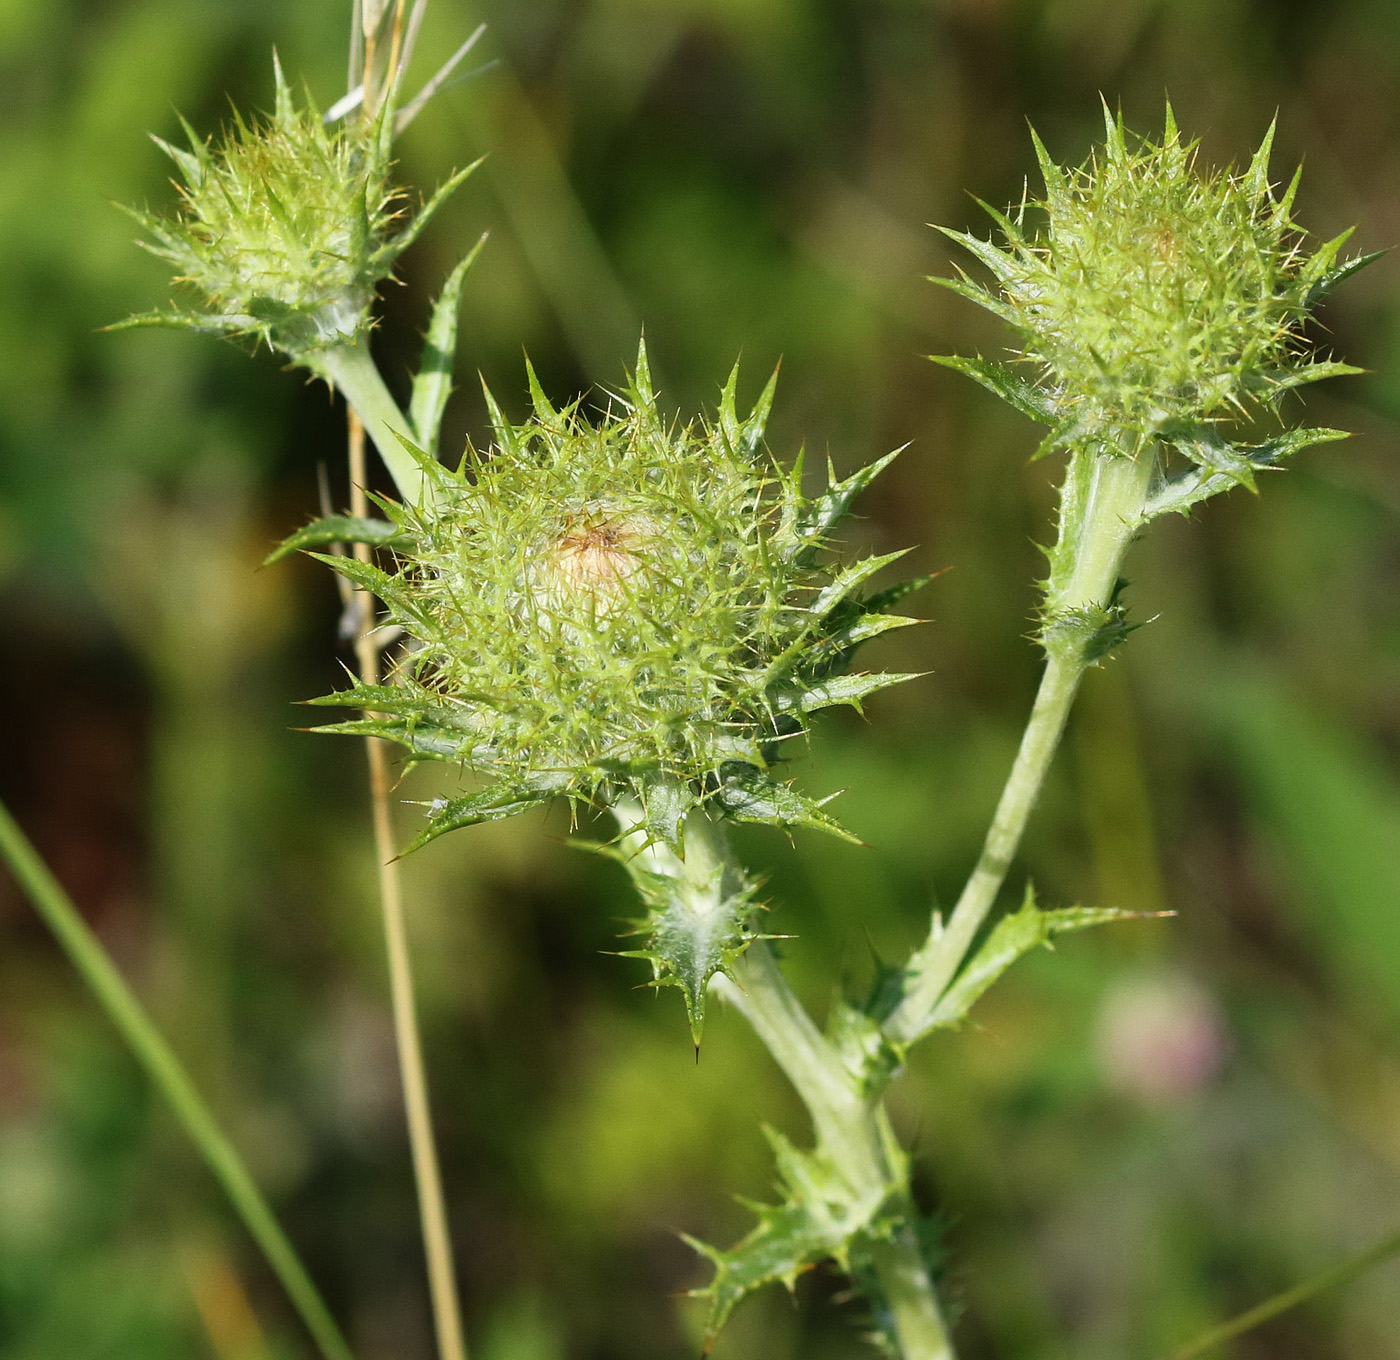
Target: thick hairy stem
[(851, 1126), (854, 1131), (1101, 511), (432, 1206), (140, 1034), (351, 368)]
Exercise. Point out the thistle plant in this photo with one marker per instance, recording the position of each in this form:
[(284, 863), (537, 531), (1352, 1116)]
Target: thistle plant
[(1156, 303), (641, 614), (631, 614), (285, 232), (620, 609)]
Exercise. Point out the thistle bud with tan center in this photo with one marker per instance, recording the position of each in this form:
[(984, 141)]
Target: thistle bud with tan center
[(599, 550), (628, 612)]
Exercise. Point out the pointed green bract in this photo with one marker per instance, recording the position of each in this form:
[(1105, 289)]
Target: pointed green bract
[(432, 385), (806, 522), (699, 904), (748, 795), (1006, 383), (490, 805), (330, 529), (1183, 493), (626, 607)]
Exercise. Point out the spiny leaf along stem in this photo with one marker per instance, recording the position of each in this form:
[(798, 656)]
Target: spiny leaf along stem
[(853, 1130)]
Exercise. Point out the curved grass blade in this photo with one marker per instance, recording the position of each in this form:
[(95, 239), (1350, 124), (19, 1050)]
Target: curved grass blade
[(1341, 1273), (151, 1050)]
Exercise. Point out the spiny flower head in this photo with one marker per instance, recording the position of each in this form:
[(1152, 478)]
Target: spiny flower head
[(627, 608), (284, 228), (1154, 299)]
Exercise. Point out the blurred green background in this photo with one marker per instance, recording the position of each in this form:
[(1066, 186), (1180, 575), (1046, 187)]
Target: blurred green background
[(1146, 1131)]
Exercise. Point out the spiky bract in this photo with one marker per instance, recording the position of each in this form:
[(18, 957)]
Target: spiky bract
[(700, 905), (1154, 299), (623, 608), (284, 228)]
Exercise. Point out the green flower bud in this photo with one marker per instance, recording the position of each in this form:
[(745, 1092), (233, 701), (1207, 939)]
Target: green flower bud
[(627, 609), (284, 230), (1154, 300)]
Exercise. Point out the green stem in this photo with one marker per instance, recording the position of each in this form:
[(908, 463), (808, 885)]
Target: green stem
[(851, 1126), (1342, 1273), (853, 1130), (166, 1071), (913, 1304), (352, 369), (1101, 511), (840, 1114)]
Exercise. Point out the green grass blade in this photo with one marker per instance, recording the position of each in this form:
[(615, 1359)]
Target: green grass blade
[(1331, 1278), (165, 1069)]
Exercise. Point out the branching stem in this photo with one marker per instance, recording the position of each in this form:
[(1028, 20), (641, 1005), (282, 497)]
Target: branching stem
[(851, 1125), (852, 1128), (761, 994), (1101, 511)]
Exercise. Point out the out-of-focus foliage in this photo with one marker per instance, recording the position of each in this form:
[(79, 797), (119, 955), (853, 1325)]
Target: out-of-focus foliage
[(1146, 1130)]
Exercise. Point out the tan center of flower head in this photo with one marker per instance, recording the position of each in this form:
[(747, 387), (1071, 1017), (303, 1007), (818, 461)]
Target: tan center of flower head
[(596, 556)]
